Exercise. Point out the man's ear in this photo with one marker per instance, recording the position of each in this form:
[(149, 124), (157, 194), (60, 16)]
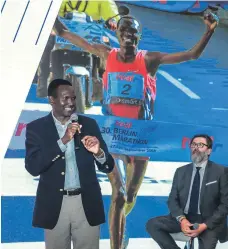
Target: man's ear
[(51, 100), (209, 152)]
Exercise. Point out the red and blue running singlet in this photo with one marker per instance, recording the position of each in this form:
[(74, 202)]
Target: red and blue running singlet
[(126, 86)]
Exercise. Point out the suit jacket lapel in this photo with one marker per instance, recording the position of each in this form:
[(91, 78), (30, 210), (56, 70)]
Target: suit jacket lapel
[(51, 129), (205, 179), (80, 153), (187, 180)]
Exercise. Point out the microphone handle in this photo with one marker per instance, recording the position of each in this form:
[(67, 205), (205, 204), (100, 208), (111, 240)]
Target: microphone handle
[(77, 138), (195, 226)]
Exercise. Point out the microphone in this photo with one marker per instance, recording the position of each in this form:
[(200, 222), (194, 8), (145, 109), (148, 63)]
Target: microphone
[(194, 226), (77, 139)]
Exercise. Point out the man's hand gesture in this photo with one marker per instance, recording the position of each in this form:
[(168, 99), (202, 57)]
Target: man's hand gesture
[(92, 144), (196, 232), (185, 226)]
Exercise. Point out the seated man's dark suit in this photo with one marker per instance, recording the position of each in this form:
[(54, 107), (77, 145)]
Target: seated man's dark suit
[(213, 206)]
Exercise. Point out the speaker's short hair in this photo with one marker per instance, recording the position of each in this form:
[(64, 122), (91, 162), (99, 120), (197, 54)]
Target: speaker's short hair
[(53, 86)]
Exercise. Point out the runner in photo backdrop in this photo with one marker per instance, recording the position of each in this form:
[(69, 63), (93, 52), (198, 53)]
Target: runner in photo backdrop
[(95, 9), (129, 92)]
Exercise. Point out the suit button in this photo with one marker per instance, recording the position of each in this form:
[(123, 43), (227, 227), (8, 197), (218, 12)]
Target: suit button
[(63, 173), (61, 190), (106, 166), (63, 157)]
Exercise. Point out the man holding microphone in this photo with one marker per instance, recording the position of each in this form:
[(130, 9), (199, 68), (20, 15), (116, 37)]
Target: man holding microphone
[(63, 149)]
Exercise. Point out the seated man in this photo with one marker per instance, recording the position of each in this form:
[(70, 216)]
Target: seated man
[(199, 194)]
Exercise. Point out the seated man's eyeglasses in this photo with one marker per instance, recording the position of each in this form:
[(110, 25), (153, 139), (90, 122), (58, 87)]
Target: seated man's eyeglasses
[(198, 145)]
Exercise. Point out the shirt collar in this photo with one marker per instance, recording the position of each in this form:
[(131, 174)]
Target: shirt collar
[(57, 122), (202, 165)]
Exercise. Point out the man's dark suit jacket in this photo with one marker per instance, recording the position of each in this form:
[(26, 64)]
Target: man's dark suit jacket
[(44, 158), (213, 197)]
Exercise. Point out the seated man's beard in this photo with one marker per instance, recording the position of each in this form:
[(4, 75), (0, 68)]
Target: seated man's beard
[(199, 157)]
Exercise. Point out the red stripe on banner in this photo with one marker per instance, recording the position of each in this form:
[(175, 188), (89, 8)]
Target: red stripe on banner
[(160, 1), (197, 4)]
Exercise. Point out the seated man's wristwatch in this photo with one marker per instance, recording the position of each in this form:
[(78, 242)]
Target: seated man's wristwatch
[(180, 218)]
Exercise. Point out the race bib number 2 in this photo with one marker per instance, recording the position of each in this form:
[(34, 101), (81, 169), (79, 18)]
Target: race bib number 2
[(125, 88)]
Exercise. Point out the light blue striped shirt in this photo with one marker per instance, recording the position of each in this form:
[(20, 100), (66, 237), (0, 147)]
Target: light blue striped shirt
[(72, 180), (201, 172)]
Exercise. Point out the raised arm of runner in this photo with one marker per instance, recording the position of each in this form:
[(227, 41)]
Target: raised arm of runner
[(100, 50), (154, 59)]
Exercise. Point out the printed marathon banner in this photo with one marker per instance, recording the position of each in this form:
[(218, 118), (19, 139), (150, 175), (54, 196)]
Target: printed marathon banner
[(161, 141), (194, 6), (165, 5)]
